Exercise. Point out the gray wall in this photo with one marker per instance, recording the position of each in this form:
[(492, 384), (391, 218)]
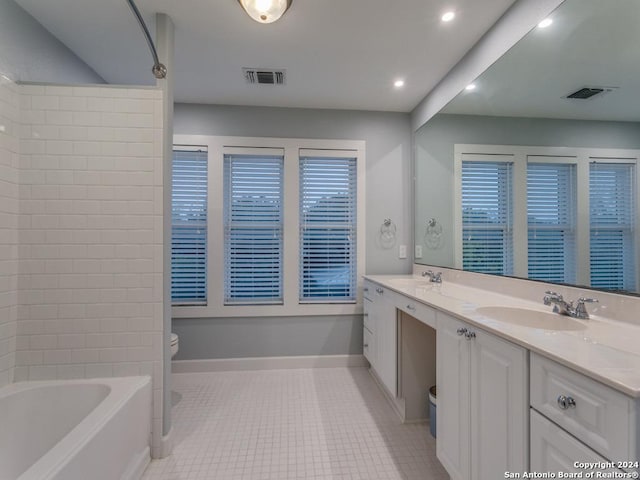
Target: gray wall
[(388, 195), (434, 144), (268, 336), (29, 53)]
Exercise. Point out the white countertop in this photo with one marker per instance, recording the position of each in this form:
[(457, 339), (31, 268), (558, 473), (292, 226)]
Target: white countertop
[(605, 350)]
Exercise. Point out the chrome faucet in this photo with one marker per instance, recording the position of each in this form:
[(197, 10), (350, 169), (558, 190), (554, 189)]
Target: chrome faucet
[(562, 307), (433, 277)]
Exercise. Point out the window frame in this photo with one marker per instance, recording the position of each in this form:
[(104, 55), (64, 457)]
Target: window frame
[(291, 306)]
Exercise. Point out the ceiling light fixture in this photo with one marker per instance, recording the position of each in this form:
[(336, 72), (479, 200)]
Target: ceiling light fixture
[(265, 11), (398, 83), (470, 87), (545, 23), (447, 17)]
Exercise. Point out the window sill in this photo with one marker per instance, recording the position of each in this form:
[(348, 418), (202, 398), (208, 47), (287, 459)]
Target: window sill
[(299, 310)]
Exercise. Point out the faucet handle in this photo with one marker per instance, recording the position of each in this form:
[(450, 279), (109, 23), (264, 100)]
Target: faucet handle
[(581, 310), (584, 300), (550, 296)]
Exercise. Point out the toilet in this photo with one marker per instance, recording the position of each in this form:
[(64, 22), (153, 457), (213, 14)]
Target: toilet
[(174, 344)]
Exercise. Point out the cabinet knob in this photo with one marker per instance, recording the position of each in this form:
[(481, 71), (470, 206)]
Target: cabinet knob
[(411, 307), (380, 291), (470, 335), (461, 331), (366, 345), (366, 289), (565, 402)]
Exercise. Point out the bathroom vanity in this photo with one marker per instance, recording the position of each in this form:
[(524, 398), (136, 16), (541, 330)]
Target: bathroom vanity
[(520, 389)]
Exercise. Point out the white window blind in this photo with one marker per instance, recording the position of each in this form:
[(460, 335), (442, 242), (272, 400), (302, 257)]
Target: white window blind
[(612, 216), (487, 218), (551, 213), (328, 229), (189, 227), (253, 225)]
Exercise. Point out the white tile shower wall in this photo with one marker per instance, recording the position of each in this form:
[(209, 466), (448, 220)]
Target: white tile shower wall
[(9, 158), (90, 236)]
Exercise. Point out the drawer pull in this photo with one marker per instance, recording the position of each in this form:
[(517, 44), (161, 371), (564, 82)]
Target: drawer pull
[(565, 402), (461, 331), (380, 291), (366, 289), (470, 335), (411, 307)]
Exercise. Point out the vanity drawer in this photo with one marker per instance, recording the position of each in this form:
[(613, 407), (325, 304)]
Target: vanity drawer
[(367, 320), (367, 338), (598, 415), (367, 290), (422, 312), (554, 450)]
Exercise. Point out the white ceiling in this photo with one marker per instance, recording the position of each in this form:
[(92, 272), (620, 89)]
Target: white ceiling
[(342, 54), (590, 43)]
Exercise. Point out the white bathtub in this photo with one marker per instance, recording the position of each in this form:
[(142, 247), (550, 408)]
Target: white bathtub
[(96, 429)]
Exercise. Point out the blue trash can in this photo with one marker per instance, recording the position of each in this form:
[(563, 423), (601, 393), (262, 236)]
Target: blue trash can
[(432, 411)]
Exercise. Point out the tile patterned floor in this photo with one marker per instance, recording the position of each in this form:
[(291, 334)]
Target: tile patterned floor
[(308, 424)]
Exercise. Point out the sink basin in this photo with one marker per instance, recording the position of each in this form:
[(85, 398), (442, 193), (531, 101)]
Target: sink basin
[(531, 318)]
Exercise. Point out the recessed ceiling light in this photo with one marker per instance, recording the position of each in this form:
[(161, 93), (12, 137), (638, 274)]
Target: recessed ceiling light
[(471, 86), (447, 17), (545, 23), (398, 83)]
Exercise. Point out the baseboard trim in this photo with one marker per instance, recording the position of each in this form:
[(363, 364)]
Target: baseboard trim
[(267, 363)]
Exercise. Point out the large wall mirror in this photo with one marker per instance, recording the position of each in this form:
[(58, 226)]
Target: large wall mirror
[(531, 171)]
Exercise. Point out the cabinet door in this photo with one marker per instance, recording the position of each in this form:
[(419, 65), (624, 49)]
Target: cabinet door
[(369, 349), (453, 445), (554, 450), (499, 407), (387, 343)]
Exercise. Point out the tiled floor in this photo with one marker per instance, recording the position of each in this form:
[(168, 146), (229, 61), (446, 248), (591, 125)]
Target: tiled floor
[(325, 423)]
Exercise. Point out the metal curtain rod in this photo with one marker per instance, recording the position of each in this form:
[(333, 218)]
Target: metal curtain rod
[(158, 69)]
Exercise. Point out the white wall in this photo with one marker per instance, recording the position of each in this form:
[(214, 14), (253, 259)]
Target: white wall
[(388, 195), (29, 53), (9, 158), (90, 237)]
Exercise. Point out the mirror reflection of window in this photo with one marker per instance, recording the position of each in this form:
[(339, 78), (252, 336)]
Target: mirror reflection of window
[(551, 218), (487, 217), (612, 219)]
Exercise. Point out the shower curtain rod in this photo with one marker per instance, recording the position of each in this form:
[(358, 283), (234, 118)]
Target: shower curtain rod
[(158, 69)]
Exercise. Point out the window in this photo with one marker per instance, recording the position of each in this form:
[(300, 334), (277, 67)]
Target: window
[(189, 226), (612, 215), (253, 226), (328, 229), (487, 219), (285, 227), (551, 207)]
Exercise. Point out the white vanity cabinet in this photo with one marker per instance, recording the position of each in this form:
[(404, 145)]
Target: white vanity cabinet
[(578, 418), (380, 334), (483, 407)]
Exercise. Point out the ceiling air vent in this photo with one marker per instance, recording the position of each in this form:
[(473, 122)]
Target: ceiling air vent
[(589, 92), (262, 76)]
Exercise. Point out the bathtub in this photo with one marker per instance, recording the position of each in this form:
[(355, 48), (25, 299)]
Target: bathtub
[(96, 429)]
